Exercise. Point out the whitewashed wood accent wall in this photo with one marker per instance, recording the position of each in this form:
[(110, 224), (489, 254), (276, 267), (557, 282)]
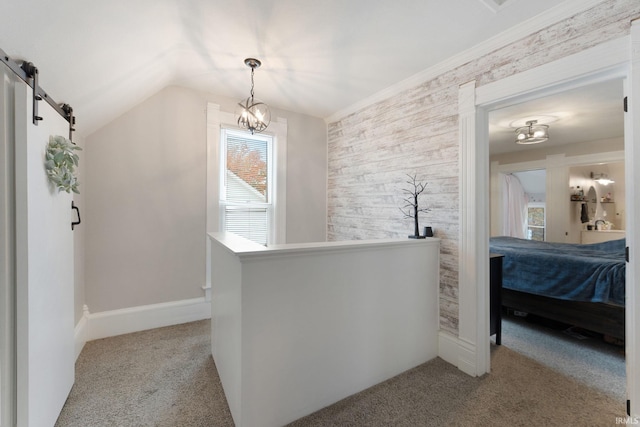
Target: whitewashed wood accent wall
[(416, 132)]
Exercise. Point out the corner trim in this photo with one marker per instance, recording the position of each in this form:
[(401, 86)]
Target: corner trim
[(206, 288), (461, 354), (81, 331)]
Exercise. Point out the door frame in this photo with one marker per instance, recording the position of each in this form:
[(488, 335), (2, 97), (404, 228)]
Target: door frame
[(7, 252), (609, 60)]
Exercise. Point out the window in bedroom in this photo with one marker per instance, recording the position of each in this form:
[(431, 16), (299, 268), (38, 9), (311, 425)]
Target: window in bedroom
[(246, 201), (536, 221)]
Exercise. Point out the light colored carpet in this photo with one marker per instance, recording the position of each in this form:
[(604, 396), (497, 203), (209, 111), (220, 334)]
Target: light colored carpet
[(166, 377), (161, 377), (586, 358), (518, 392)]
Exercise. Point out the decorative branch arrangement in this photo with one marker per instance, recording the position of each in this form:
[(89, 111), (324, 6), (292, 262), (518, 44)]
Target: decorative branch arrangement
[(411, 208), (60, 163)]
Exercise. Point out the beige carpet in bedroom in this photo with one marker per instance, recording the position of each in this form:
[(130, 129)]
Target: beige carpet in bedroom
[(166, 377)]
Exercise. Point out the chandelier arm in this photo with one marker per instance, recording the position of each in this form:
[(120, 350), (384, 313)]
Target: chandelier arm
[(254, 116)]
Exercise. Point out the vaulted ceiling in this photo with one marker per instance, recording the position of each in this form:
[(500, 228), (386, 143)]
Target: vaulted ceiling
[(319, 57)]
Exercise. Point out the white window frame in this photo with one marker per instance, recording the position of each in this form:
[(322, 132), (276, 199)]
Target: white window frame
[(542, 205), (216, 120), (269, 204)]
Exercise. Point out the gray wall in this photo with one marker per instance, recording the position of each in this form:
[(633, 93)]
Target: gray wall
[(416, 131), (146, 198), (79, 233)]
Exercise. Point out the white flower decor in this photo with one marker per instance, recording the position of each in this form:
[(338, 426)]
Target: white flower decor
[(60, 162)]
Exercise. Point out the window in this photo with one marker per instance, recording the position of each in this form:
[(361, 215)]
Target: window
[(276, 194), (246, 202), (536, 221)]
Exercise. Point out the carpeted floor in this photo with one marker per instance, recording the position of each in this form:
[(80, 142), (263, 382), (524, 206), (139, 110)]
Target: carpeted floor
[(161, 377), (579, 354), (166, 377)]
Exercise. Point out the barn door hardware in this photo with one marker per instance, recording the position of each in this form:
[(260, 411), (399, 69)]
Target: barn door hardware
[(28, 73), (74, 223), (68, 111), (32, 72)]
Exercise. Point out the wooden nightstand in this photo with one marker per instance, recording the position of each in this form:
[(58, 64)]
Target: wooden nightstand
[(495, 297)]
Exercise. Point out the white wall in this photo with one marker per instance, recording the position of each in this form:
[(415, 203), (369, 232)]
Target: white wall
[(581, 175), (145, 200), (541, 153)]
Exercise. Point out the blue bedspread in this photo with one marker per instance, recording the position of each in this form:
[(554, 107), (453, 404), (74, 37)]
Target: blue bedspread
[(594, 272)]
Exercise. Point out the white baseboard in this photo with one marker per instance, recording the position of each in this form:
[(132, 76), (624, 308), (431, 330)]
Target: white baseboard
[(457, 352), (105, 324)]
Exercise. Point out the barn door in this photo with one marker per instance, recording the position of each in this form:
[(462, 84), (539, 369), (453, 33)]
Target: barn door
[(44, 270)]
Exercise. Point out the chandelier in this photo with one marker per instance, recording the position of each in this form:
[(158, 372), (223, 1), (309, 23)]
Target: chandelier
[(254, 115), (532, 133), (601, 178)]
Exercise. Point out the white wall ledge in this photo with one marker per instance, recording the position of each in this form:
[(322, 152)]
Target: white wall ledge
[(246, 249)]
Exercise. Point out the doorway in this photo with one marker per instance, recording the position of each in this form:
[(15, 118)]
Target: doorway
[(584, 124), (602, 62)]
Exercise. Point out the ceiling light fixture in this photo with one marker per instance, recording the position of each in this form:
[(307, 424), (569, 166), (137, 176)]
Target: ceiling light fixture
[(532, 133), (601, 178), (253, 116)]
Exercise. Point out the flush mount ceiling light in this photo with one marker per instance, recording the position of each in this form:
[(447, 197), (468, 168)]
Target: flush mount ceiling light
[(532, 133), (601, 178), (254, 115)]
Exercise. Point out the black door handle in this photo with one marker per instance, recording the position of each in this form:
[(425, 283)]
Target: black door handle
[(74, 223)]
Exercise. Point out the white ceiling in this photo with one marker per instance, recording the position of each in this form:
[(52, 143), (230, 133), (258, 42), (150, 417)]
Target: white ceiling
[(588, 113), (533, 182), (319, 57)]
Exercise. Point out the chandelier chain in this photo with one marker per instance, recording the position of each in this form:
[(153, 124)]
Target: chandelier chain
[(252, 70)]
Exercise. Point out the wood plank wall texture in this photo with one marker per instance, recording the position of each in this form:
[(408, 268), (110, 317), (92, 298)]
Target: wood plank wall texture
[(416, 132)]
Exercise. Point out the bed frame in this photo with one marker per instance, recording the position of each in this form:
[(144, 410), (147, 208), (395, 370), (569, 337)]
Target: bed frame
[(602, 318)]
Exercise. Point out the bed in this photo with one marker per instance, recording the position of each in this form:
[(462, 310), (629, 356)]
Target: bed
[(581, 285)]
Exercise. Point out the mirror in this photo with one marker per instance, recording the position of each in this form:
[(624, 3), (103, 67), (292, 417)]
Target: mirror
[(592, 196)]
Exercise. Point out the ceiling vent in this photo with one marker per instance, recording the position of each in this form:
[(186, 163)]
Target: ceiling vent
[(496, 5)]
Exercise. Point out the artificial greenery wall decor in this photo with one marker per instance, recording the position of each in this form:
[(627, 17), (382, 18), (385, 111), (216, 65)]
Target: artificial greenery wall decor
[(60, 162)]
